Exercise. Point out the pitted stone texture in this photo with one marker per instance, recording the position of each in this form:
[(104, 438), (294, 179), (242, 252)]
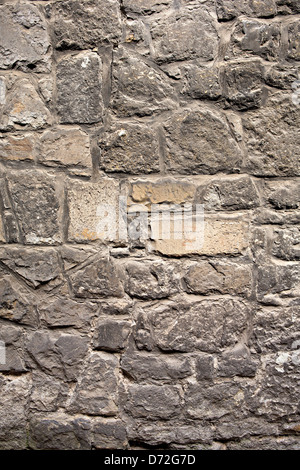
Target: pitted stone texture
[(163, 190), (202, 82), (35, 198), (208, 325), (266, 443), (153, 401), (129, 148), (276, 329), (230, 9), (278, 284), (59, 431), (251, 37), (211, 236), (109, 434), (93, 210), (65, 148), (24, 109), (293, 31), (288, 6), (243, 85), (14, 392), (137, 87), (272, 138), (79, 81), (102, 278), (111, 335), (184, 35), (283, 195), (24, 42), (36, 267), (150, 280), (97, 390), (150, 368), (287, 244), (234, 193), (218, 276), (83, 24), (237, 362), (200, 142)]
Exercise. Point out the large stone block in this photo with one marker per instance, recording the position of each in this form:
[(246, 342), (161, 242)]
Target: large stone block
[(283, 196), (17, 147), (167, 190), (202, 82), (272, 138), (230, 9), (24, 42), (286, 244), (218, 276), (97, 391), (93, 210), (82, 24), (109, 434), (153, 401), (137, 87), (63, 312), (184, 35), (200, 142), (111, 335), (278, 284), (16, 304), (79, 81), (129, 148), (207, 325)]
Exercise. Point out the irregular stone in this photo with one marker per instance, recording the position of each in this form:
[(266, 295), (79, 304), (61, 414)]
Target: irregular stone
[(15, 304), (145, 6), (228, 9), (24, 109), (100, 279), (163, 190), (287, 244), (288, 6), (148, 367), (93, 209), (137, 87), (276, 329), (205, 368), (212, 237), (150, 280), (129, 148), (242, 85), (197, 33), (200, 142), (202, 82), (153, 401), (247, 427), (266, 443), (214, 401), (293, 31), (84, 24), (258, 38), (63, 312), (97, 391), (12, 338), (272, 138), (36, 267), (14, 393), (58, 431), (2, 230), (60, 357), (207, 325), (281, 76), (47, 393), (17, 147), (235, 193), (24, 42), (111, 335), (237, 362), (117, 307), (277, 284), (217, 276), (65, 148), (74, 256), (79, 81), (282, 195), (109, 434), (36, 203)]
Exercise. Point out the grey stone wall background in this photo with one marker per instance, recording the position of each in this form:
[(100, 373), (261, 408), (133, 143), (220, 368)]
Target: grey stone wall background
[(128, 345)]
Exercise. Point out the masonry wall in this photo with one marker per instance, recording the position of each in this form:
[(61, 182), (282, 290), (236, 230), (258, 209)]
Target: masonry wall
[(122, 341)]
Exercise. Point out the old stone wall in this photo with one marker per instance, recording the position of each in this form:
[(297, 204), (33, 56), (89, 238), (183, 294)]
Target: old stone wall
[(113, 335)]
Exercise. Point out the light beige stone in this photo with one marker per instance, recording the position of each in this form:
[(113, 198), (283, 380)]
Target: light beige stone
[(171, 191), (214, 236), (17, 147), (2, 237), (93, 210)]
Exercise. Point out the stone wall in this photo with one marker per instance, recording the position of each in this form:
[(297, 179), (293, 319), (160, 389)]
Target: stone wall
[(125, 342)]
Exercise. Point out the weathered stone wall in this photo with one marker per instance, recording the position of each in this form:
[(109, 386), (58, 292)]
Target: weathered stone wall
[(128, 343)]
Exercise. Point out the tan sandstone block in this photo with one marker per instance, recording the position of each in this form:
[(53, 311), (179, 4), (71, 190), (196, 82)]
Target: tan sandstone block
[(93, 210), (162, 191), (217, 236)]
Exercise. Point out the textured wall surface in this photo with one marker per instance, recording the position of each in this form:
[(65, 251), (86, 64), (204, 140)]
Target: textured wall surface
[(120, 339)]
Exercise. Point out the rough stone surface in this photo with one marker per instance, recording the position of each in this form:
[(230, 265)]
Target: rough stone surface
[(149, 225)]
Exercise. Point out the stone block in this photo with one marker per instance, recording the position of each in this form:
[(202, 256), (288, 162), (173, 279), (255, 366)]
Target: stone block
[(153, 401), (111, 335)]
